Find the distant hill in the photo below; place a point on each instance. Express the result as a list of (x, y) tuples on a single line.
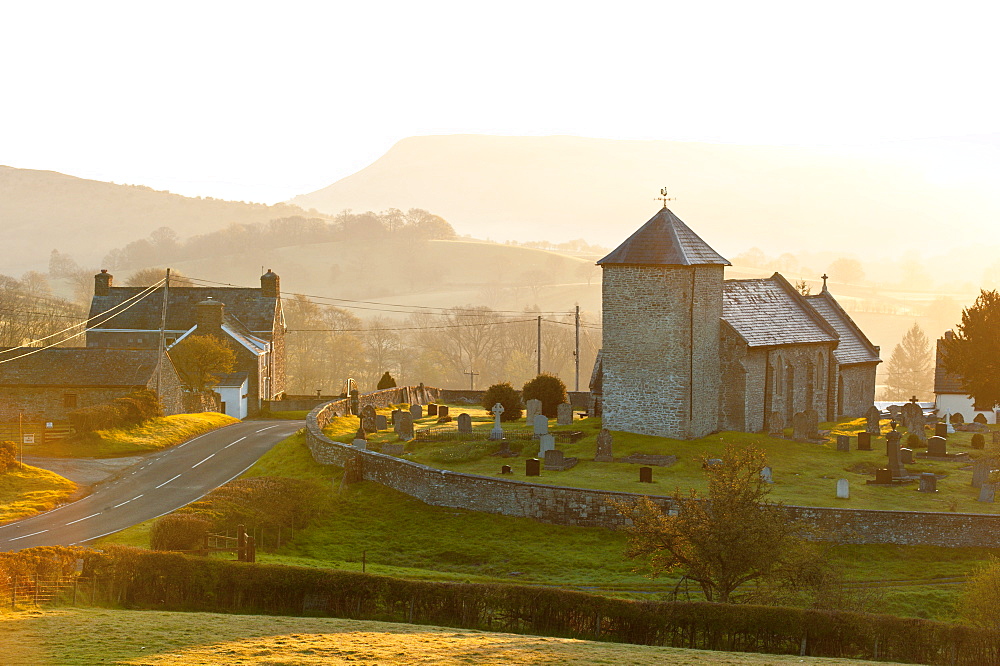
[(44, 210), (559, 188)]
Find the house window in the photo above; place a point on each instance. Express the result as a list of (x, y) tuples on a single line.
[(69, 400)]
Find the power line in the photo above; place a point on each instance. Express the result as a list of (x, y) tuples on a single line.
[(404, 328)]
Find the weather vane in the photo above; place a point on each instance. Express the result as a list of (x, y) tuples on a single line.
[(663, 197)]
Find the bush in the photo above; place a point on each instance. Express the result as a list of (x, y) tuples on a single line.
[(957, 419), (547, 388), (505, 394), (980, 418), (182, 531), (8, 456), (978, 441), (386, 382), (131, 409)]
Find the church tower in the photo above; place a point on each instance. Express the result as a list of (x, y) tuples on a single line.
[(662, 311)]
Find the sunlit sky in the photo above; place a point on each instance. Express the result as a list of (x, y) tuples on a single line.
[(263, 101)]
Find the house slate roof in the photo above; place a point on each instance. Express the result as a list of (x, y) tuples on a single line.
[(854, 347), (769, 311), (664, 241), (77, 367), (944, 381), (245, 304), (231, 380)]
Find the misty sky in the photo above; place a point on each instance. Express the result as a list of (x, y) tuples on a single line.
[(260, 101)]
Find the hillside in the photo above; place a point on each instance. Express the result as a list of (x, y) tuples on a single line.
[(736, 197), (44, 210)]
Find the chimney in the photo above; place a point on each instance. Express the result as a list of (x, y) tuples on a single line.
[(209, 317), (949, 335), (102, 283), (270, 284)]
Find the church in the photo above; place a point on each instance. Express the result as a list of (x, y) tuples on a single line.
[(687, 353)]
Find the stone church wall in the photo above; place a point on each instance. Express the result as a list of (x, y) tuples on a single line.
[(858, 389), (650, 349)]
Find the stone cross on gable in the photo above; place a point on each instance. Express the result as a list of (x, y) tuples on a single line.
[(913, 400), (825, 278)]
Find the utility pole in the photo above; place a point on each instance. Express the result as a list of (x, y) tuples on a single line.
[(576, 354), (20, 438), (160, 347), (539, 344), (472, 379)]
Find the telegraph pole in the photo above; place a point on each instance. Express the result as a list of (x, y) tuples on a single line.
[(539, 344), (472, 379), (163, 325), (576, 354)]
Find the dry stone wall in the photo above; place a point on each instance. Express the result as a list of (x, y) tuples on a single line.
[(592, 508)]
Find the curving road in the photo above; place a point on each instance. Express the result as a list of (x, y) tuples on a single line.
[(158, 484)]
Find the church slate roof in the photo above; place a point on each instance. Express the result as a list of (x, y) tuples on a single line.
[(944, 381), (77, 367), (854, 346), (247, 305), (769, 311), (664, 241)]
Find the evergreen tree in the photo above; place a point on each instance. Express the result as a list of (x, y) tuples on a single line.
[(910, 370), (974, 353)]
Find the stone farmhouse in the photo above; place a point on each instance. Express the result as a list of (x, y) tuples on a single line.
[(249, 319), (687, 352), (949, 398), (47, 384)]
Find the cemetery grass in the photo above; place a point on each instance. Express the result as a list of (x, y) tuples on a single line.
[(403, 537), (804, 473), (91, 636), (30, 490), (153, 435)]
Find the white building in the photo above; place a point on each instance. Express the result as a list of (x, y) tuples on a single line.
[(949, 398)]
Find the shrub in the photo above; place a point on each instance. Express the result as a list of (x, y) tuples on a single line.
[(957, 419), (386, 382), (182, 531), (978, 441), (980, 418), (130, 409), (547, 388), (8, 456), (505, 394)]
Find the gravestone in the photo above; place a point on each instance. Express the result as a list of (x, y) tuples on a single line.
[(776, 424), (844, 443), (978, 441), (506, 470), (464, 423), (443, 411), (981, 472), (980, 419), (645, 475), (883, 476), (557, 462), (805, 425), (767, 475), (532, 467), (540, 424), (906, 456), (361, 444), (928, 483), (864, 441), (843, 489), (432, 409), (405, 431), (532, 409), (497, 432), (368, 418), (872, 417), (381, 423), (604, 447), (892, 451), (564, 414), (913, 420), (949, 420), (941, 429), (416, 412), (937, 447), (996, 439), (394, 417), (397, 418), (393, 449), (546, 443), (986, 492)]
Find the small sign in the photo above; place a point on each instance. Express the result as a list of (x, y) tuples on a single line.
[(49, 424), (29, 439)]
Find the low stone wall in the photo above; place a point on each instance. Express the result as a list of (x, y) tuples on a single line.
[(592, 508)]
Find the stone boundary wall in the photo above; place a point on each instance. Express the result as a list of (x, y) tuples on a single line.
[(591, 508)]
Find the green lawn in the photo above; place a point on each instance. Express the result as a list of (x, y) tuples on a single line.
[(153, 435), (804, 473), (25, 491)]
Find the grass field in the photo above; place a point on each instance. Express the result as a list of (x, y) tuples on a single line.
[(152, 435), (25, 491), (804, 473), (91, 636)]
